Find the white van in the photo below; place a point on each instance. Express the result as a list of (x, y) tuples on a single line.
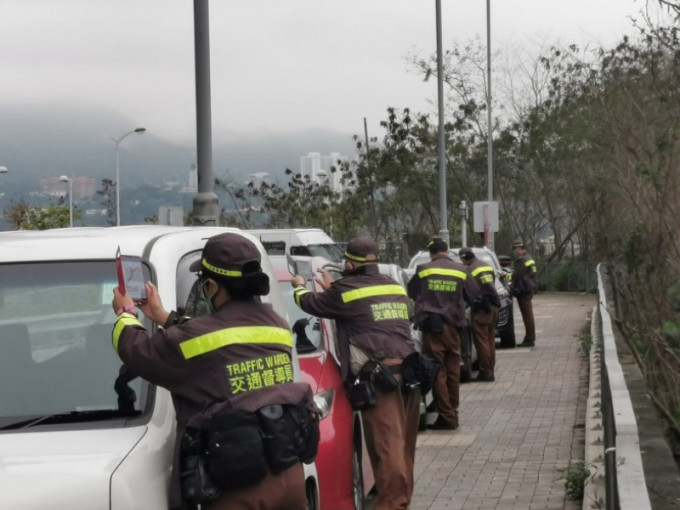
[(309, 242), (65, 440)]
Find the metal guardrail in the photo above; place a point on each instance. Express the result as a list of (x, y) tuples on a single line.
[(624, 477)]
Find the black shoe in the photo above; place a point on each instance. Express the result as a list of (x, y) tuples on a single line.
[(484, 378), (440, 424), (526, 343)]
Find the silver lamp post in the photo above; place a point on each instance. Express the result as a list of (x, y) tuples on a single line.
[(65, 178), (117, 141)]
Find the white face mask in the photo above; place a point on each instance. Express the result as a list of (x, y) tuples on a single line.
[(208, 302)]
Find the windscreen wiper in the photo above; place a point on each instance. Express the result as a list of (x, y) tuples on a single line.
[(72, 417)]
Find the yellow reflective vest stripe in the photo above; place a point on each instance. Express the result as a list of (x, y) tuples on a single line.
[(234, 336), (530, 262), (124, 319), (482, 269), (298, 292), (440, 271), (374, 290)]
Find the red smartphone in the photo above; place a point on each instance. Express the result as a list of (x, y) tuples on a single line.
[(131, 277)]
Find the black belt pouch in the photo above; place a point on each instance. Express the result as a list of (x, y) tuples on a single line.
[(383, 378), (280, 437), (433, 323), (197, 485), (236, 457), (306, 431), (361, 394)]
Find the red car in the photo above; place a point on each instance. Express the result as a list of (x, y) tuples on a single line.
[(344, 470)]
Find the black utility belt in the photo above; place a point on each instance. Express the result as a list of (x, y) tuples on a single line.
[(374, 374), (239, 448)]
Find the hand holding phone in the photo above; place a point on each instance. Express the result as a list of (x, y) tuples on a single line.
[(131, 277)]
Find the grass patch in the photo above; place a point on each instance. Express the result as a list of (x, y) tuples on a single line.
[(574, 476)]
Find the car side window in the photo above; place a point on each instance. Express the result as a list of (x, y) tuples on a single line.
[(187, 288)]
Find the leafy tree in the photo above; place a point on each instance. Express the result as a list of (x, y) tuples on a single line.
[(24, 217), (108, 200)]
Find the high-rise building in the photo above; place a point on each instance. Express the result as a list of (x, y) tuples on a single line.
[(319, 168)]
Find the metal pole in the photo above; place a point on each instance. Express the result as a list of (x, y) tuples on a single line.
[(463, 222), (70, 202), (117, 141), (374, 218), (205, 205), (117, 184), (489, 135), (444, 231)]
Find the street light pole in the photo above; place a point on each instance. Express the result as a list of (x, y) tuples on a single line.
[(489, 156), (117, 141), (444, 232), (65, 178)]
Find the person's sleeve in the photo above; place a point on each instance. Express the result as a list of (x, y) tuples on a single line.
[(155, 358), (471, 289), (413, 287), (324, 304)]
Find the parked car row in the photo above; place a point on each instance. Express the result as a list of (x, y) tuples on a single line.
[(64, 437)]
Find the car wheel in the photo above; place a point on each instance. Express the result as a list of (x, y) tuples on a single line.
[(507, 335), (422, 422), (312, 497), (357, 476), (465, 355)]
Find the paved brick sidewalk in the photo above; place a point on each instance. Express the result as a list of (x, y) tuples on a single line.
[(516, 432)]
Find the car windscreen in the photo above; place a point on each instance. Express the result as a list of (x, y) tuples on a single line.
[(327, 251), (56, 352), (306, 328)]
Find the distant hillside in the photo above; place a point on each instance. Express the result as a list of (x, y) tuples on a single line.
[(40, 141)]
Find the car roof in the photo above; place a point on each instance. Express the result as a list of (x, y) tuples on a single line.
[(92, 243), (481, 252)]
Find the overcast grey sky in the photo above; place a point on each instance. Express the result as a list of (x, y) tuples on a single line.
[(280, 65)]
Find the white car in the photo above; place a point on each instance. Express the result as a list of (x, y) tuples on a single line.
[(65, 439), (306, 242)]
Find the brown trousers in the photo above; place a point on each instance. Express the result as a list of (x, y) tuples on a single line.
[(283, 491), (391, 428), (445, 348), (527, 311), (484, 336)]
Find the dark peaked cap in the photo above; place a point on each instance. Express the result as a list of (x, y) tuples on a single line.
[(437, 245), (466, 253), (226, 254), (359, 248)]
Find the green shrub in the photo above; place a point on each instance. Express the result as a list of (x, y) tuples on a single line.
[(574, 476)]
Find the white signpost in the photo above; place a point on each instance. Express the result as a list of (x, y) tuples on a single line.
[(485, 219)]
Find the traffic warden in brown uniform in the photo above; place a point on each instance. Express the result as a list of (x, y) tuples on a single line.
[(484, 309), (440, 290), (371, 315), (243, 426), (523, 286)]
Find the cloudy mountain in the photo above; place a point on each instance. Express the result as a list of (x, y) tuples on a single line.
[(42, 141)]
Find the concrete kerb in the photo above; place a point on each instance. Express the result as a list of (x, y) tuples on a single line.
[(594, 489), (630, 479)]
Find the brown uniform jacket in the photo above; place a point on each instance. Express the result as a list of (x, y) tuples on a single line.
[(523, 280), (239, 356), (442, 287), (486, 278), (370, 311)]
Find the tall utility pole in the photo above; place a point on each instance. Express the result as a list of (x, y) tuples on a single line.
[(206, 207), (489, 135), (369, 170), (444, 231)]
